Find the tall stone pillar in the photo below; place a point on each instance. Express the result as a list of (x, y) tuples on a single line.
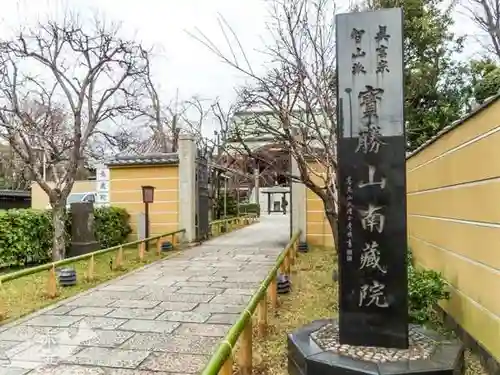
[(299, 207), (187, 186)]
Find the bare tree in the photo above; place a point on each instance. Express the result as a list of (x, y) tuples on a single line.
[(14, 173), (84, 73), (216, 151), (294, 102), (486, 16), (160, 118), (52, 128), (201, 118), (192, 119)]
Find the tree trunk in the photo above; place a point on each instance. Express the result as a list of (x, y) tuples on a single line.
[(333, 221), (332, 216), (59, 238)]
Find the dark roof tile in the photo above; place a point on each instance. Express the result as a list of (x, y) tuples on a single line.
[(146, 159)]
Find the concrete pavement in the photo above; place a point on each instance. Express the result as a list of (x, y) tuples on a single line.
[(165, 319)]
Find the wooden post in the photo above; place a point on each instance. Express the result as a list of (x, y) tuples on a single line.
[(286, 263), (245, 352), (293, 253), (158, 246), (174, 239), (272, 291), (119, 258), (262, 317), (3, 304), (227, 367), (282, 267), (141, 251), (90, 269), (52, 283)]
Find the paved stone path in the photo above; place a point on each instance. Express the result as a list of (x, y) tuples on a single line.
[(165, 319)]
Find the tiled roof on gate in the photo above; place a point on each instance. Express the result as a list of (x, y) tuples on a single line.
[(171, 158)]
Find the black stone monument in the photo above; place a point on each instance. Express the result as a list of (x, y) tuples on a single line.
[(372, 334), (371, 176), (82, 229)]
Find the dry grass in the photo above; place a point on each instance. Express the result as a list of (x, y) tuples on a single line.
[(314, 296), (29, 293)]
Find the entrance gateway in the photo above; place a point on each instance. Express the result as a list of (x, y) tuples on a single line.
[(202, 199)]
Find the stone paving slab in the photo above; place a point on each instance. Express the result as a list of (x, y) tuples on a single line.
[(141, 325), (218, 308), (223, 318), (165, 319), (88, 311), (176, 343), (135, 313), (88, 370), (109, 357), (187, 363), (101, 322)]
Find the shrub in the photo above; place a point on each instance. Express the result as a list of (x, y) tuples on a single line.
[(250, 208), (26, 234), (425, 289), (112, 226), (25, 237), (231, 206)]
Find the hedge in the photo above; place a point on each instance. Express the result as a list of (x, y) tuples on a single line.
[(26, 234), (250, 208), (231, 207)]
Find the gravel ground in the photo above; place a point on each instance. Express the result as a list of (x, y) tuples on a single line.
[(313, 297), (473, 365)]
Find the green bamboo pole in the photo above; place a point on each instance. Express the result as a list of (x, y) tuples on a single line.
[(225, 348), (62, 262)]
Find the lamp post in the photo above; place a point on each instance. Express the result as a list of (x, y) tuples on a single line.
[(148, 193)]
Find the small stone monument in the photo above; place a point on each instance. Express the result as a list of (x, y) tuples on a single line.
[(372, 334), (83, 239)]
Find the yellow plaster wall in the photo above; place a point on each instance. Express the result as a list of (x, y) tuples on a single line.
[(40, 199), (318, 231), (126, 192), (454, 220)]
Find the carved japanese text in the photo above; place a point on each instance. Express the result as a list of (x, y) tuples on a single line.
[(357, 66), (373, 294), (382, 37), (371, 179), (372, 219), (370, 257)]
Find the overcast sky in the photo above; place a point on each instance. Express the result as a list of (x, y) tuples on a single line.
[(181, 63)]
